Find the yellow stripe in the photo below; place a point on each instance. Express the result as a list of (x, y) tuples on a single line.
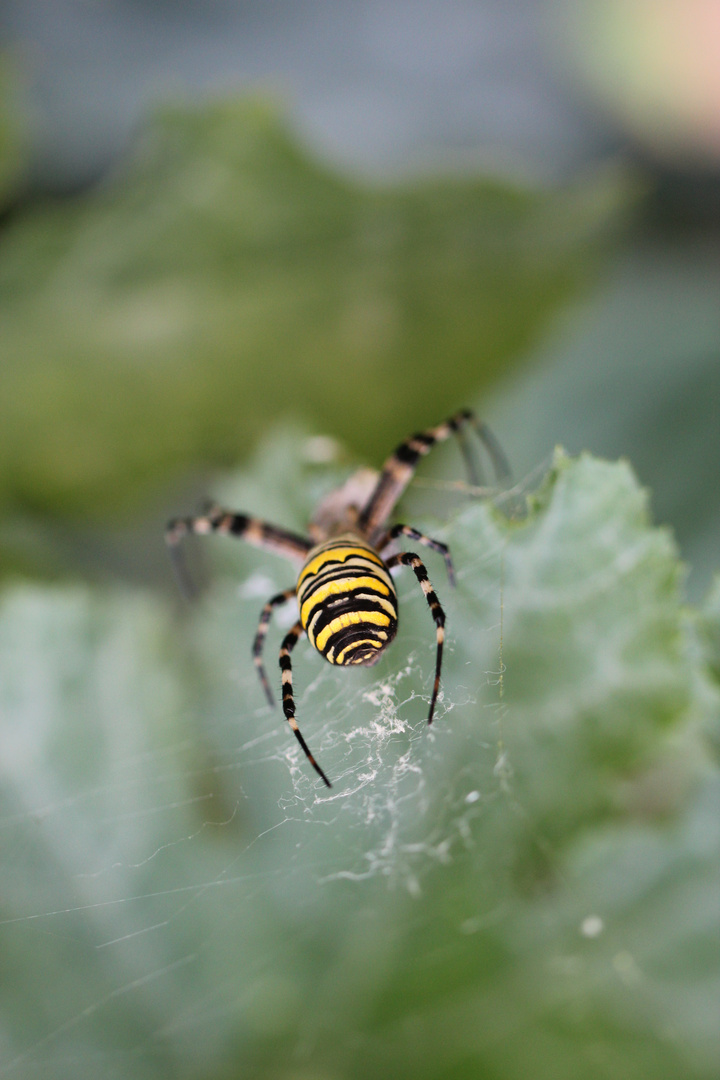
[(350, 617), (340, 585), (387, 604), (337, 554), (354, 645)]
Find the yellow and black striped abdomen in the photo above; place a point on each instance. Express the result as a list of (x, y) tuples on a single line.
[(347, 601)]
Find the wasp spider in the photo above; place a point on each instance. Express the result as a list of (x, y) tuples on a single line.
[(347, 601)]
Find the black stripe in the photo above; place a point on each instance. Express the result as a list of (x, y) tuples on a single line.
[(338, 572), (239, 524), (343, 638), (406, 455), (366, 651), (282, 536), (324, 615)]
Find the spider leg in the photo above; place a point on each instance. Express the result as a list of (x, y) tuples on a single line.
[(217, 520), (409, 558), (287, 647), (413, 534), (399, 469), (501, 465), (260, 636)]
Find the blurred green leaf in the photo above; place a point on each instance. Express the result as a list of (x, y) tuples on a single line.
[(530, 887), (158, 323), (636, 373), (12, 149)]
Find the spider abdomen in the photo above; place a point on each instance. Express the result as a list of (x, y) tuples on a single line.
[(347, 600)]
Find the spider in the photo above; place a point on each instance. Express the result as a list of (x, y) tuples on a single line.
[(347, 601)]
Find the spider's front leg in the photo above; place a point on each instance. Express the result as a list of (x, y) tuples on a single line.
[(228, 523), (399, 469), (287, 647), (409, 558)]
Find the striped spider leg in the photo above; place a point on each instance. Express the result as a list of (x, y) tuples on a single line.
[(262, 535), (399, 469), (413, 534), (395, 476), (409, 558), (289, 642), (226, 522), (259, 642), (412, 560)]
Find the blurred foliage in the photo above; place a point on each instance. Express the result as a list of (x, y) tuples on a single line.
[(530, 888), (636, 376), (12, 149), (159, 322)]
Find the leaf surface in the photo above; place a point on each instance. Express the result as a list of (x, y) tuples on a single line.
[(530, 886)]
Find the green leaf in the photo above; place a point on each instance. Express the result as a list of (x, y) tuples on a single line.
[(528, 887), (225, 279)]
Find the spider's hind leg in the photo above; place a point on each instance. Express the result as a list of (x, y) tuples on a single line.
[(287, 647), (409, 558), (259, 642), (426, 541)]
